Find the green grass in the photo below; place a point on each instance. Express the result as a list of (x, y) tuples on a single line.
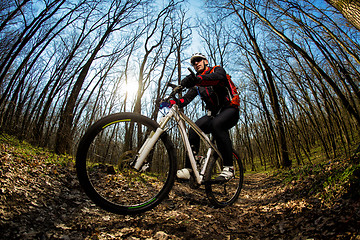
[(320, 177), (327, 181), (28, 152)]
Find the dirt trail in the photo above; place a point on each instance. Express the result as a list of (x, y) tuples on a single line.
[(44, 201)]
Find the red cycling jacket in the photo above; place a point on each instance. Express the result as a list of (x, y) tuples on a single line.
[(212, 88)]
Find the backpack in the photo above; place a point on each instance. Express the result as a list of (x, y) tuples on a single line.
[(232, 91)]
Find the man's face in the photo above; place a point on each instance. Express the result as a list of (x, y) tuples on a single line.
[(200, 64)]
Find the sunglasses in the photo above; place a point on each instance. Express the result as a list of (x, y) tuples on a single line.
[(195, 60)]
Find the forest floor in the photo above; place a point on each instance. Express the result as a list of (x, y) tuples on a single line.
[(43, 200)]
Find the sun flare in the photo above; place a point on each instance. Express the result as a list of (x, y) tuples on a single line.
[(131, 88)]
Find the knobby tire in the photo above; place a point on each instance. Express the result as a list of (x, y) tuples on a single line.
[(222, 194), (104, 164)]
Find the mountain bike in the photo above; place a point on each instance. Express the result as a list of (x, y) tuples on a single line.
[(126, 162)]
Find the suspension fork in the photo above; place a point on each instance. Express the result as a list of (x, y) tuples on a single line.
[(151, 140)]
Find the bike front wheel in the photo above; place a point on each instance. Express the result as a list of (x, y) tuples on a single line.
[(105, 159), (222, 194)]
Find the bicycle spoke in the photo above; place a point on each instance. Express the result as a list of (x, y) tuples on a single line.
[(105, 166), (223, 193)]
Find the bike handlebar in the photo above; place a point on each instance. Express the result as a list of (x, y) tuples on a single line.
[(176, 88)]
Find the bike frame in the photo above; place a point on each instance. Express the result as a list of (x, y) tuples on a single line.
[(180, 118)]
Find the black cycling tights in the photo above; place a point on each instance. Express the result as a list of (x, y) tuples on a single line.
[(219, 127)]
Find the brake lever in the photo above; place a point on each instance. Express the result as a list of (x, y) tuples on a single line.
[(192, 73), (178, 89)]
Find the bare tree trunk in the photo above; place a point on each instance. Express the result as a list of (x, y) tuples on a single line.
[(25, 37), (350, 9), (310, 60), (161, 20), (12, 14), (270, 83), (63, 136)]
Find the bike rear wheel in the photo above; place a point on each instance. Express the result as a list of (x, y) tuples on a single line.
[(222, 194), (104, 164)]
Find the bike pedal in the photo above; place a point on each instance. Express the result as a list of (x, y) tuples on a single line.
[(180, 180), (194, 185)]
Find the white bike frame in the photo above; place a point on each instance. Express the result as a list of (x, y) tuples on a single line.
[(180, 118)]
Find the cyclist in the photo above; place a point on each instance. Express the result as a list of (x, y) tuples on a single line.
[(212, 85)]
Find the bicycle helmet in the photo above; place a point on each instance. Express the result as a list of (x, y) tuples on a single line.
[(195, 56)]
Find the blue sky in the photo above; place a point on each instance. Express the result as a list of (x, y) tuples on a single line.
[(195, 10)]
